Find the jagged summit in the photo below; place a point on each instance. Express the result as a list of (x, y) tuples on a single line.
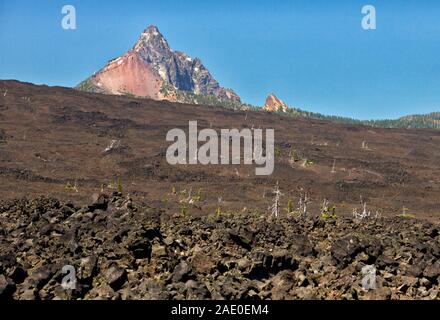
[(151, 38), (152, 29), (274, 104), (151, 68)]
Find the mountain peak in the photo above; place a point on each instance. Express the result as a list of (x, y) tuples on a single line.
[(152, 39), (152, 29), (152, 69), (273, 103)]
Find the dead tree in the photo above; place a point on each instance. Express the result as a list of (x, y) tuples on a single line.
[(365, 213), (302, 205), (333, 167), (305, 203), (275, 208)]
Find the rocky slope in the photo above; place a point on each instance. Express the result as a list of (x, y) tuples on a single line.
[(152, 69), (126, 250)]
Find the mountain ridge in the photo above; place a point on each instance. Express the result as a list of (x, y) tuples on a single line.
[(413, 121), (152, 69)]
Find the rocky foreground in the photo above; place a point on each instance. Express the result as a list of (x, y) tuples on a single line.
[(123, 251)]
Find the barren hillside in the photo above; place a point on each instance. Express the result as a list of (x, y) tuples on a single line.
[(53, 141)]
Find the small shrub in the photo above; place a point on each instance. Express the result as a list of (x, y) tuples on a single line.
[(71, 187), (328, 211), (119, 185), (290, 208), (184, 211), (406, 215), (165, 203), (198, 196), (278, 152)]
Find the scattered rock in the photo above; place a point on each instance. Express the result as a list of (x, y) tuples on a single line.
[(122, 250)]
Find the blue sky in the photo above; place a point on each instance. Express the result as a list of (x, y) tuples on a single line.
[(312, 54)]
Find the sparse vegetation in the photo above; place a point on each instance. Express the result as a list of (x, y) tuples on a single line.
[(183, 210), (406, 215), (292, 157), (363, 213), (71, 187), (119, 185), (278, 152), (328, 211), (197, 196), (87, 85), (218, 211), (290, 209), (305, 162)]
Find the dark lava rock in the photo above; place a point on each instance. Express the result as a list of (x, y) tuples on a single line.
[(115, 276), (281, 284), (7, 260), (153, 290), (88, 268), (7, 287), (139, 252), (196, 291), (242, 236), (432, 271), (140, 248), (18, 274), (101, 203), (301, 245), (43, 274), (182, 272), (345, 249)]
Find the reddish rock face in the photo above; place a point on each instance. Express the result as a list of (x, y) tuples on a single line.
[(152, 69), (129, 74), (274, 104)]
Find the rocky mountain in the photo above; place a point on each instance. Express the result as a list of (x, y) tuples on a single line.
[(274, 104), (152, 69)]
